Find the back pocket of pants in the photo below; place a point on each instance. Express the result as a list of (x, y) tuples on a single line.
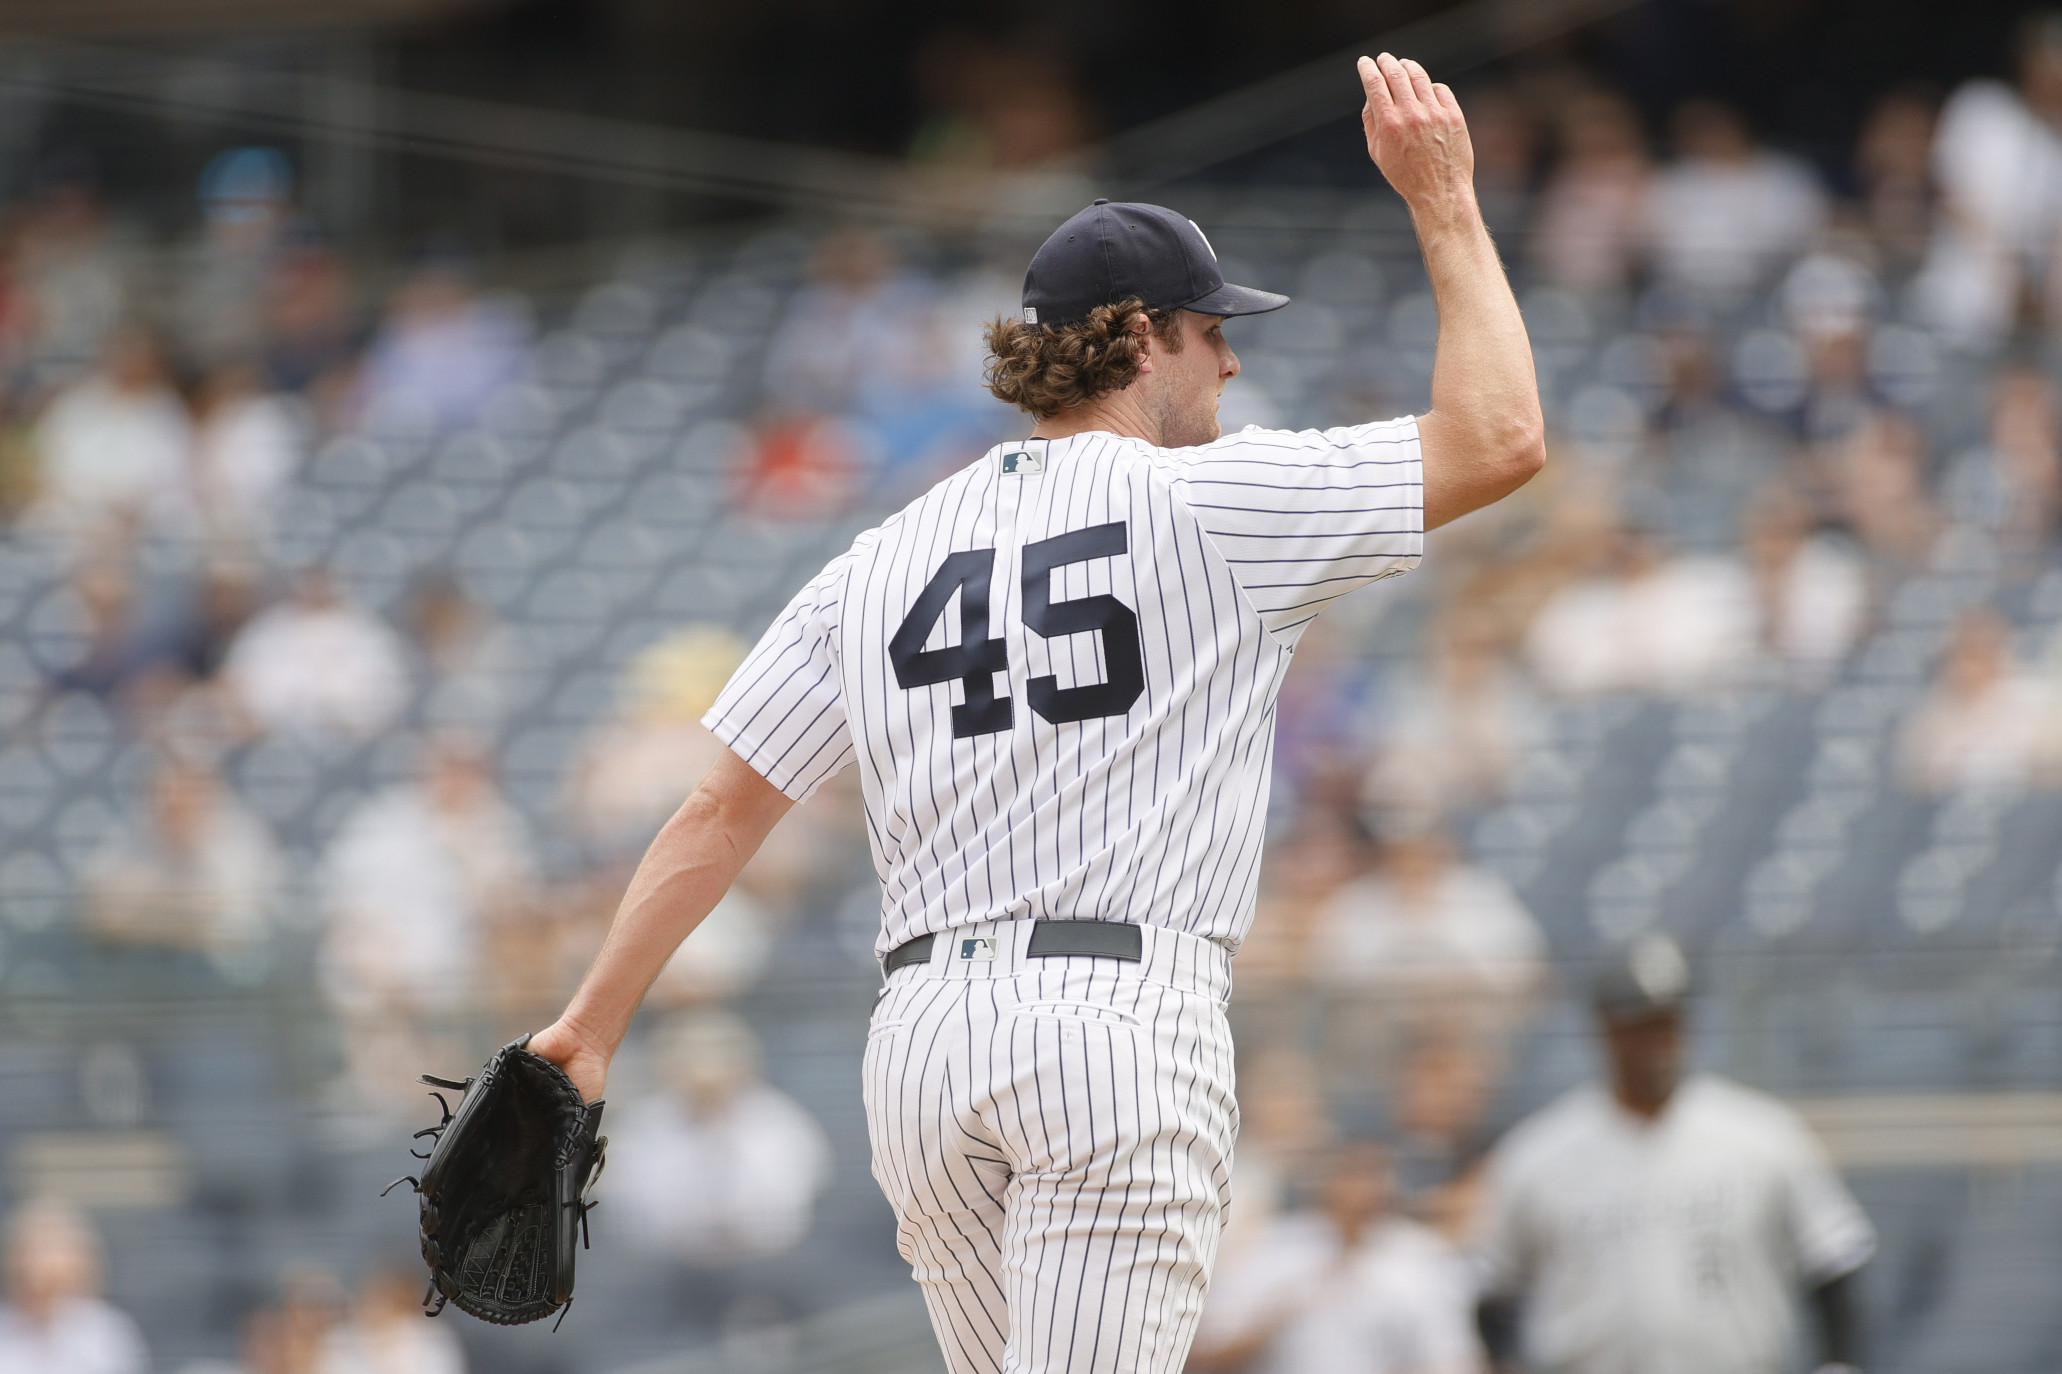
[(1080, 1012)]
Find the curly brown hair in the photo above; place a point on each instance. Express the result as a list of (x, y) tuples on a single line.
[(1046, 369)]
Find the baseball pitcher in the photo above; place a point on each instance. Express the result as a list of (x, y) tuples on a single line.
[(1056, 674)]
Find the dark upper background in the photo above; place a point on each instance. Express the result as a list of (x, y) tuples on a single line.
[(940, 81), (862, 73)]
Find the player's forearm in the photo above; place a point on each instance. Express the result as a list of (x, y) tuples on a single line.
[(1484, 430), (684, 874)]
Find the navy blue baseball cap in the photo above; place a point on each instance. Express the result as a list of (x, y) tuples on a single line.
[(1110, 252)]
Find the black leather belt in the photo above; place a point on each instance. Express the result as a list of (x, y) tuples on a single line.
[(1049, 939)]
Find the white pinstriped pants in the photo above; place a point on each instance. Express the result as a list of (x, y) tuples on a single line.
[(1055, 1136)]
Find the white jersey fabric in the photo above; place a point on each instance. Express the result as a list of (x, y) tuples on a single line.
[(1056, 672), (1057, 669), (1676, 1246), (1399, 1302)]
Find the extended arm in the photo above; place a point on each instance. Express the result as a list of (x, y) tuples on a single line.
[(690, 865), (1484, 437)]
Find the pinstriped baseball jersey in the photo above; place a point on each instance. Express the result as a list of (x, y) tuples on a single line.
[(1057, 669)]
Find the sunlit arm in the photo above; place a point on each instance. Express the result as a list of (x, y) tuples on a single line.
[(690, 865), (1484, 436)]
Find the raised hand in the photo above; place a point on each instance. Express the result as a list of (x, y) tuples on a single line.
[(1417, 135)]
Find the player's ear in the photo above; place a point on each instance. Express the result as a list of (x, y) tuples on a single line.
[(1141, 325)]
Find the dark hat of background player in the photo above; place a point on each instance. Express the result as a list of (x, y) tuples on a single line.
[(1114, 251), (1648, 977)]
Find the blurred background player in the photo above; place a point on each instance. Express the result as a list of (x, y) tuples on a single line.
[(1662, 1220)]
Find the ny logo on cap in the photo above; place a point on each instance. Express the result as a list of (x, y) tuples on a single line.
[(978, 950)]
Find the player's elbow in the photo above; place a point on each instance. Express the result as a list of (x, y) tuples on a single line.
[(1503, 448), (1522, 446), (1528, 458)]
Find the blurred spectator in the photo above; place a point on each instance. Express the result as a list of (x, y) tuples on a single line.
[(800, 467), (222, 600), (1427, 936), (245, 203), (1829, 298), (2011, 488), (196, 871), (1894, 164), (1987, 723), (118, 644), (415, 885), (468, 658), (718, 1166), (1718, 452), (247, 447), (1664, 1221), (1589, 226), (1346, 1288), (1319, 763), (1997, 155), (1875, 481), (1437, 1090), (312, 328), (1323, 853), (1811, 585), (69, 279), (316, 664), (636, 768), (922, 411), (1648, 622), (115, 446), (1505, 137), (441, 352), (1726, 211), (292, 1335), (54, 1320), (995, 105), (1453, 735), (386, 1333), (843, 324), (1283, 1127)]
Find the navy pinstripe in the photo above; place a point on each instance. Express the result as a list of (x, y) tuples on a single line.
[(1055, 1133)]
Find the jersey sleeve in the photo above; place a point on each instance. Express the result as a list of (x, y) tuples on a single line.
[(1303, 517), (783, 711), (1829, 1232)]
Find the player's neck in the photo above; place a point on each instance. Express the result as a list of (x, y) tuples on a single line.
[(1120, 413), (1646, 1106)]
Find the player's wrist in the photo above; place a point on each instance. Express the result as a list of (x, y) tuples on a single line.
[(1447, 210), (568, 1038)]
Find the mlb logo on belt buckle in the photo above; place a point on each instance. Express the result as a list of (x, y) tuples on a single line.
[(1022, 462), (979, 950)]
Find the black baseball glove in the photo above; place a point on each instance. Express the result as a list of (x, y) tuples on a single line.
[(504, 1198)]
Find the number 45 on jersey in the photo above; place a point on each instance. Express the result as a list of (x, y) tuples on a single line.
[(977, 658)]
